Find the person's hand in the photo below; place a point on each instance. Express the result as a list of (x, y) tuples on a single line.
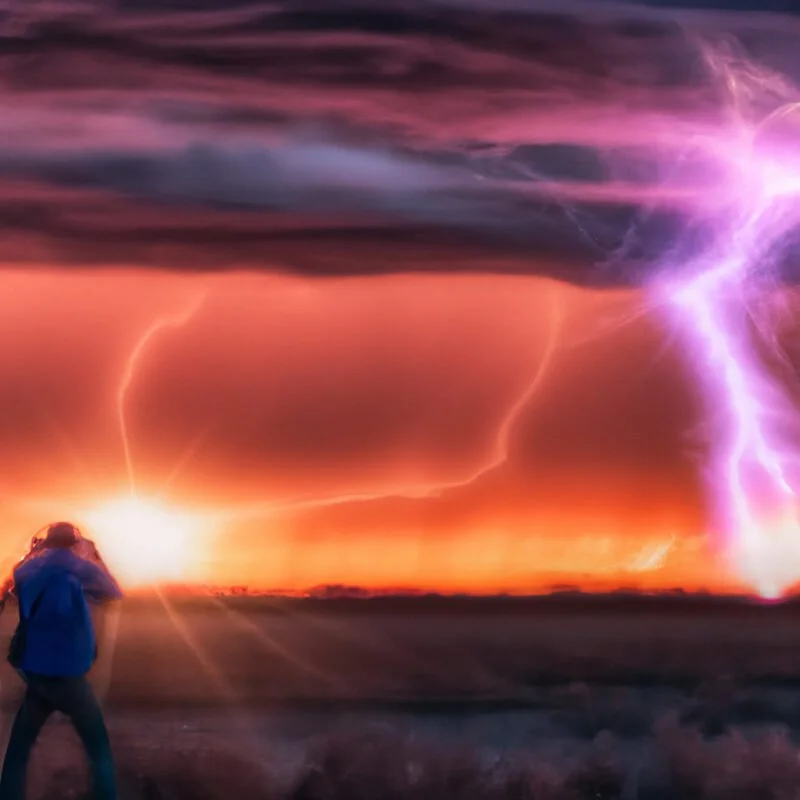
[(96, 553), (85, 548)]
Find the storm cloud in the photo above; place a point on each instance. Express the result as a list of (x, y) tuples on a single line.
[(347, 138)]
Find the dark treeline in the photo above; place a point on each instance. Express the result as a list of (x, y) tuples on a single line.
[(355, 601)]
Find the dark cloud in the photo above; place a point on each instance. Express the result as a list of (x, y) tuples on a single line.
[(345, 137)]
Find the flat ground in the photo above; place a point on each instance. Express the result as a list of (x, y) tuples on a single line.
[(277, 691), (258, 652)]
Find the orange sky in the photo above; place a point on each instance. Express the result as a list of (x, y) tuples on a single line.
[(431, 400), (344, 431)]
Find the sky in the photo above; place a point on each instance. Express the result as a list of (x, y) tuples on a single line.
[(360, 290)]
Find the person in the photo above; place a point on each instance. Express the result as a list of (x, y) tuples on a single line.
[(54, 649)]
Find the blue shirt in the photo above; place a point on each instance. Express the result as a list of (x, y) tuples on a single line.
[(60, 637)]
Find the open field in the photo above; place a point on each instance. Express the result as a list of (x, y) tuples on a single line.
[(207, 651), (161, 760), (432, 699)]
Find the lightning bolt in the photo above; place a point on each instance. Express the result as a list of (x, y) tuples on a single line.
[(133, 362), (496, 458), (723, 303)]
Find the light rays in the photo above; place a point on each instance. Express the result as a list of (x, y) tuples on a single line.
[(271, 645)]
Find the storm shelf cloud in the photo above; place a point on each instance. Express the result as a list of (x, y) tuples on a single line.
[(339, 137)]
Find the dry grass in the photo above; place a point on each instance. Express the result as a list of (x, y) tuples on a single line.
[(383, 765), (556, 662), (171, 767)]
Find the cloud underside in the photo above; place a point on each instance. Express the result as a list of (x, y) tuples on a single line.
[(341, 138)]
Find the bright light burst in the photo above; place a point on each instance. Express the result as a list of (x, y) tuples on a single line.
[(725, 303), (145, 542)]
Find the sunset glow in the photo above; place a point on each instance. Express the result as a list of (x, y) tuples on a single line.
[(145, 543), (402, 311), (254, 463)]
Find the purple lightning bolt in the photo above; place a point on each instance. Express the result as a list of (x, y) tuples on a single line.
[(725, 307)]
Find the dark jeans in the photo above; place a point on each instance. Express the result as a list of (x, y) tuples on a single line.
[(74, 698)]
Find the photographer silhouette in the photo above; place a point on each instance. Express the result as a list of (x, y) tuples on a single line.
[(54, 647)]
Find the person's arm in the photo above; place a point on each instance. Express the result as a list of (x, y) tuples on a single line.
[(98, 583)]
